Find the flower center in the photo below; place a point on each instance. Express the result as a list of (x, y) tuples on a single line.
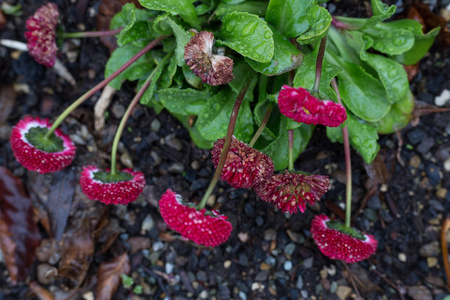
[(36, 137), (107, 177), (345, 230)]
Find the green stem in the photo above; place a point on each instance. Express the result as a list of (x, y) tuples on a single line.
[(348, 165), (263, 125), (130, 108), (85, 34), (319, 63), (102, 84), (227, 143), (291, 150)]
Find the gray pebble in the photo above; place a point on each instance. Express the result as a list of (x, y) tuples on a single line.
[(370, 214), (242, 295), (173, 142), (425, 145), (374, 202), (433, 174), (118, 110), (308, 263), (155, 125), (270, 260), (169, 268), (299, 283), (158, 246), (289, 249), (288, 265), (304, 294), (262, 276), (176, 168), (270, 234), (333, 287)]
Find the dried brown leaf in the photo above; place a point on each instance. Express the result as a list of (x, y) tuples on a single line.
[(78, 248), (377, 170), (109, 276), (362, 279), (7, 98), (107, 235), (8, 246), (16, 213), (433, 20), (138, 243), (411, 70)]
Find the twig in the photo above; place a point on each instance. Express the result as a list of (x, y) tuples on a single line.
[(400, 291), (350, 274), (445, 228)]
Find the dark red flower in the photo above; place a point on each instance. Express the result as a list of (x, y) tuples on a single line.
[(245, 166), (291, 190), (27, 144), (337, 241), (122, 188), (42, 34), (203, 227), (299, 105), (213, 69)]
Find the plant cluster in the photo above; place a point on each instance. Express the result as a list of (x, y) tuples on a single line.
[(249, 79)]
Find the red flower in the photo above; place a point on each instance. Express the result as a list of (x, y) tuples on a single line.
[(213, 69), (245, 166), (291, 190), (203, 227), (299, 105), (337, 241), (122, 188), (30, 154), (42, 34)]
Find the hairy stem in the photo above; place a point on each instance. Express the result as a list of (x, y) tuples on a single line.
[(85, 34), (102, 84), (291, 149), (348, 165), (227, 143), (319, 63)]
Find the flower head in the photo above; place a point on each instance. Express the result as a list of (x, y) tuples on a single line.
[(245, 166), (299, 105), (337, 241), (121, 188), (290, 191), (203, 227), (42, 34), (39, 153), (213, 69)]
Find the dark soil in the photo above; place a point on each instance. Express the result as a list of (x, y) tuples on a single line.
[(269, 255)]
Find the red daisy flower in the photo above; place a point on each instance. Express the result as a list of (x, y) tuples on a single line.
[(204, 227), (291, 190), (337, 241), (213, 69), (245, 166), (35, 152), (42, 34), (299, 105), (122, 188)]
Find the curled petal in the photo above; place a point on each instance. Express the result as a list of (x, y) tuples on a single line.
[(112, 191), (245, 166), (290, 191), (202, 227), (350, 246), (35, 159), (299, 105)]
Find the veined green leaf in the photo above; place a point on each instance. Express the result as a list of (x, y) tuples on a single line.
[(380, 11), (319, 20), (184, 102), (253, 7), (184, 8)]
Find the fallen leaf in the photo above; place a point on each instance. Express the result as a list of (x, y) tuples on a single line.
[(414, 14), (138, 243), (433, 20), (40, 292), (107, 234), (377, 170), (18, 229), (7, 98), (59, 201), (109, 276), (411, 70), (362, 279), (78, 248)]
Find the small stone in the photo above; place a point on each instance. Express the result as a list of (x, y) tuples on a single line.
[(296, 237), (227, 264), (195, 165), (425, 145), (211, 200), (262, 276), (155, 125), (415, 161), (331, 270), (289, 249), (287, 265), (157, 246), (257, 286), (270, 234), (204, 294), (270, 260), (242, 295), (402, 257), (46, 273), (264, 267), (169, 267), (126, 160), (299, 283), (442, 153), (433, 174), (147, 223), (430, 249), (176, 168), (419, 292), (304, 294), (243, 236), (173, 142), (441, 193), (437, 281), (374, 202), (333, 287), (443, 98), (323, 273), (156, 158), (432, 261), (416, 135), (447, 165), (370, 214), (88, 296), (308, 262), (343, 292), (118, 110)]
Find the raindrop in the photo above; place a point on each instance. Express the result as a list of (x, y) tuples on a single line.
[(249, 29), (267, 34), (399, 41)]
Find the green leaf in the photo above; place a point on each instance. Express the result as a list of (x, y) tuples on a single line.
[(242, 72), (289, 16), (248, 35), (422, 42), (122, 55), (388, 38), (191, 78), (398, 117), (286, 57), (364, 95), (380, 12), (167, 76), (184, 8), (319, 20), (362, 137), (213, 120), (185, 102), (253, 7)]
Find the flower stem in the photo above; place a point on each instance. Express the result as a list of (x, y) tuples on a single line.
[(319, 63), (227, 143), (85, 34), (263, 125), (102, 84), (291, 149), (348, 164), (130, 108)]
